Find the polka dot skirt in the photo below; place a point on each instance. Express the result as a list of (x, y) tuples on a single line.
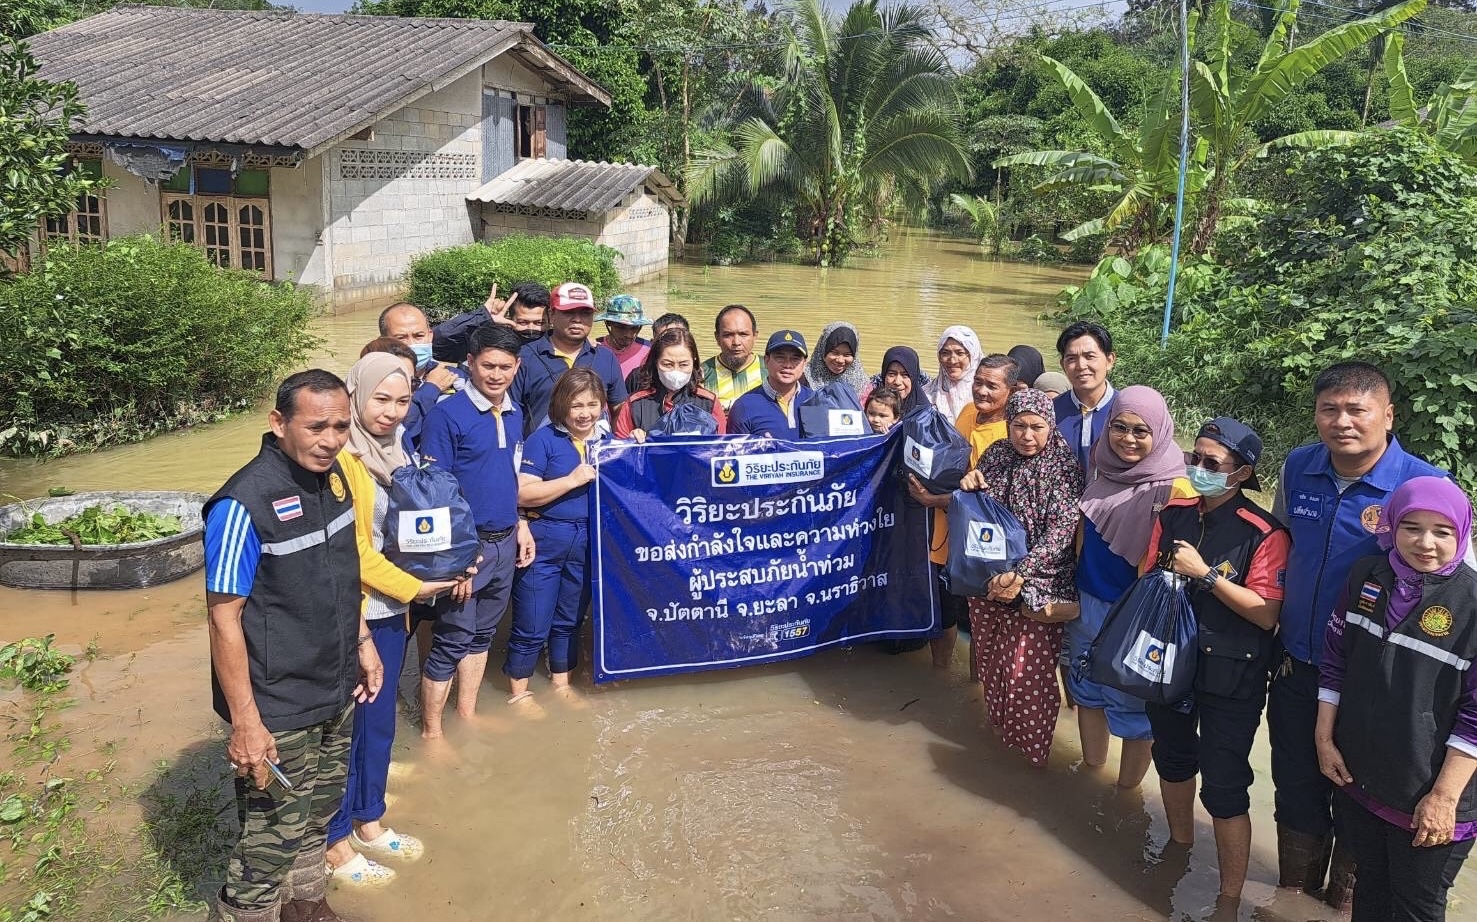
[(1016, 658)]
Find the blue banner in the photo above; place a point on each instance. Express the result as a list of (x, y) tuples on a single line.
[(712, 553)]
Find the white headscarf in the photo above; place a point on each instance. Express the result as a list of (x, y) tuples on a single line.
[(950, 398)]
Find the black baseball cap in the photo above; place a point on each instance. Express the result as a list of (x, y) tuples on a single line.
[(1240, 438)]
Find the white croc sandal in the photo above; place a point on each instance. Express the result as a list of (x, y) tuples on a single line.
[(359, 871), (390, 844)]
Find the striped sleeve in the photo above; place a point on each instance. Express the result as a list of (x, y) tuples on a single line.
[(232, 549)]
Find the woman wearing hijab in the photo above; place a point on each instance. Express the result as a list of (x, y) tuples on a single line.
[(901, 372), (1017, 628), (837, 357), (959, 355), (379, 396), (1032, 366), (1397, 706), (1137, 469)]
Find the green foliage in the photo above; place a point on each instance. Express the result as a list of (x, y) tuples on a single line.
[(1449, 117), (982, 215), (33, 665), (1373, 258), (108, 344), (57, 860), (36, 118), (1035, 250), (97, 525), (862, 111), (449, 281)]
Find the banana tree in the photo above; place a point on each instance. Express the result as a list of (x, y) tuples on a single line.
[(1226, 101), (1449, 117), (1141, 167)]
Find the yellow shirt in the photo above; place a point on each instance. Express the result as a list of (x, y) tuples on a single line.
[(980, 436), (568, 357), (731, 385)]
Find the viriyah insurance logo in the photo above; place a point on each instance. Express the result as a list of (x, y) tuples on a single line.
[(774, 467)]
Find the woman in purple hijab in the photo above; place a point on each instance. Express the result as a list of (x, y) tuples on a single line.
[(1397, 706)]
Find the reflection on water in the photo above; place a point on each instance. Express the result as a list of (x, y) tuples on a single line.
[(850, 786)]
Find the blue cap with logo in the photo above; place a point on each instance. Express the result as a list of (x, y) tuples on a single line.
[(783, 338), (1240, 438)]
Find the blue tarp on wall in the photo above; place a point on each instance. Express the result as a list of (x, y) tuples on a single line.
[(715, 553)]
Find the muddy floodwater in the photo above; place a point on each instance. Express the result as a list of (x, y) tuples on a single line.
[(849, 786)]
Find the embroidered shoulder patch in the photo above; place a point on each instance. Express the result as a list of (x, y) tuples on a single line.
[(1370, 519), (288, 508), (1436, 621), (1368, 596)]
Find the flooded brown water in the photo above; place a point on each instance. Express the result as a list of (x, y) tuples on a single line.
[(849, 786)]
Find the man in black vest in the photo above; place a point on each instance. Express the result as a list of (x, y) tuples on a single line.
[(288, 649)]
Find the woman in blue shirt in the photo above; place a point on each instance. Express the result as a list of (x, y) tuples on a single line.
[(550, 596)]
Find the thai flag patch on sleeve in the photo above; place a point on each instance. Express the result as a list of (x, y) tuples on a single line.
[(288, 508), (1369, 595)]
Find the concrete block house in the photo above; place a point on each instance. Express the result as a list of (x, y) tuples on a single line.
[(329, 150)]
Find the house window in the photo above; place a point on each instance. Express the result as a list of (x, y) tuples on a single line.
[(88, 223), (228, 216), (532, 131)]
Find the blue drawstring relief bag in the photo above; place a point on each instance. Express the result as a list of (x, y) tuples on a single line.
[(832, 411), (429, 529), (1147, 646), (933, 451), (985, 540), (685, 419)]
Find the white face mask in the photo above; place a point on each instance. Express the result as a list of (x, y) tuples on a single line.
[(674, 380)]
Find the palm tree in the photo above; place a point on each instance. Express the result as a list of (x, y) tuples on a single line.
[(863, 107)]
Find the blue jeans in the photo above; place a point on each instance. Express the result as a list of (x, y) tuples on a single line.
[(1126, 717), (466, 630), (374, 735), (548, 599)]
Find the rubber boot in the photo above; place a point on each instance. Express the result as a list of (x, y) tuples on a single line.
[(1340, 890), (225, 912), (310, 911), (1302, 859)]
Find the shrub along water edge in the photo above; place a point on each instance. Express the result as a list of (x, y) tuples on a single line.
[(456, 279), (108, 344), (1374, 259)]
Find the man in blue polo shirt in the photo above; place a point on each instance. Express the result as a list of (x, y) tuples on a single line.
[(1086, 352), (477, 435), (1329, 496), (571, 316), (773, 407)]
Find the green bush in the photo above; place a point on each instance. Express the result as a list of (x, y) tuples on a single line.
[(102, 345), (1034, 249), (1375, 259), (447, 282)]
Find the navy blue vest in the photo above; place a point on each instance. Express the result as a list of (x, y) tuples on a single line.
[(1402, 687)]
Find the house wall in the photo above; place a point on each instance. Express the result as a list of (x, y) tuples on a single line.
[(297, 224), (402, 192), (133, 205), (496, 224), (640, 229)]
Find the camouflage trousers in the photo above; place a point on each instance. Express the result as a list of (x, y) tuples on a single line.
[(284, 833)]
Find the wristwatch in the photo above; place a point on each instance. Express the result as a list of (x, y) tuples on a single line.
[(1208, 581)]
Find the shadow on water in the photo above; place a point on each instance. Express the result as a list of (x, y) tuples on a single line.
[(190, 817)]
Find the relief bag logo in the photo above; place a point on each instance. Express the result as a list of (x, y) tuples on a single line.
[(772, 467)]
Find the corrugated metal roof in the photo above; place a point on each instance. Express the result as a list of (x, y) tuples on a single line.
[(573, 185), (283, 79)]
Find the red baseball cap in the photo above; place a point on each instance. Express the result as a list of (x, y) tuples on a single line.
[(572, 296)]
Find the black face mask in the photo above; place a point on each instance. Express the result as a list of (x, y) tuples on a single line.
[(529, 336)]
